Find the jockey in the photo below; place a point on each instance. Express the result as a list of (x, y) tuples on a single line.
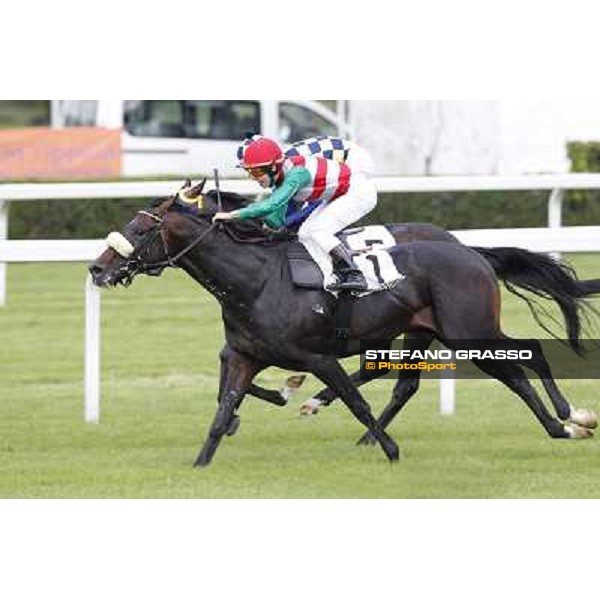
[(327, 179)]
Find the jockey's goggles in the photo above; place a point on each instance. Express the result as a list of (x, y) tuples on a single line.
[(258, 172)]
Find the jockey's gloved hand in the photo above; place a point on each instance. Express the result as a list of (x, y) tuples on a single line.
[(282, 233), (225, 216)]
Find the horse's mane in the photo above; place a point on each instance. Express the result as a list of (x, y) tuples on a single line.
[(248, 232), (229, 200)]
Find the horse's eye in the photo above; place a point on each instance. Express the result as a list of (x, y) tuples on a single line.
[(134, 230)]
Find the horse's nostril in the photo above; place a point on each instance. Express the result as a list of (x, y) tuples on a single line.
[(95, 270)]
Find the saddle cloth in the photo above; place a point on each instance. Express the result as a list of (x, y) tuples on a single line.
[(367, 244)]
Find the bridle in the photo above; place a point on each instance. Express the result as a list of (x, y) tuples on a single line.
[(135, 263)]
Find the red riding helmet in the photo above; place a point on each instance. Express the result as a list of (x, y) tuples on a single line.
[(261, 152)]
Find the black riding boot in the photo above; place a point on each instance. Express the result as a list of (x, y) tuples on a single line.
[(349, 277)]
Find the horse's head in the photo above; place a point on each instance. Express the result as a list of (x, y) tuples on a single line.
[(146, 245)]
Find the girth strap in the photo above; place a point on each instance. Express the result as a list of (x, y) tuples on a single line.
[(343, 316)]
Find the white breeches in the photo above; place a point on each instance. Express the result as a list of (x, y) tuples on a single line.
[(317, 233), (360, 161)]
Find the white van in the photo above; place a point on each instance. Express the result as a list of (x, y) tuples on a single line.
[(180, 137)]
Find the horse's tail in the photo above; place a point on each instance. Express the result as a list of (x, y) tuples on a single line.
[(545, 277), (589, 287)]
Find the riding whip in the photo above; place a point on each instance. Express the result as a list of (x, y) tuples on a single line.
[(216, 173)]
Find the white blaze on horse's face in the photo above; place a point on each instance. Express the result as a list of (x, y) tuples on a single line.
[(120, 244)]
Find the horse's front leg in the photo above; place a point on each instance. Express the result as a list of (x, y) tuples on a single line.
[(278, 397), (326, 396), (331, 373), (237, 372)]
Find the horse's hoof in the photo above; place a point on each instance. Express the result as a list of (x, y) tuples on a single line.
[(233, 426), (367, 440), (394, 455), (310, 407), (291, 386), (295, 381), (585, 418), (201, 462), (576, 432)]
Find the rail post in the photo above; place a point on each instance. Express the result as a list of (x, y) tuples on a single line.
[(3, 236), (92, 353), (447, 396), (555, 213)]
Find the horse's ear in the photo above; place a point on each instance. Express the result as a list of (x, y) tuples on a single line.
[(196, 190), (186, 184)]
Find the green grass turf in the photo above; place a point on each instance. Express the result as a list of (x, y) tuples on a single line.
[(160, 343)]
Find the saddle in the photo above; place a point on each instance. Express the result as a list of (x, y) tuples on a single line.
[(305, 271), (367, 244)]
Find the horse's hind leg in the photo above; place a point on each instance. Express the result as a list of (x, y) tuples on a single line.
[(478, 318), (406, 385), (513, 376), (564, 410)]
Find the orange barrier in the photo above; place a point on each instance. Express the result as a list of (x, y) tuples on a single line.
[(74, 153)]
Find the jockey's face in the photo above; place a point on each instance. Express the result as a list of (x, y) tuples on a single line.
[(264, 180)]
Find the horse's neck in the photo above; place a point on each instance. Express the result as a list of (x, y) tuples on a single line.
[(230, 271)]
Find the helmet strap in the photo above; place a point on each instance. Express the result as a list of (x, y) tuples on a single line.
[(274, 175)]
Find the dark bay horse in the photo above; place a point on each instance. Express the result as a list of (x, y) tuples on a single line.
[(519, 269), (450, 293)]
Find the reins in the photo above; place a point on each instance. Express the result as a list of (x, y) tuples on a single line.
[(136, 263), (170, 260), (262, 240)]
